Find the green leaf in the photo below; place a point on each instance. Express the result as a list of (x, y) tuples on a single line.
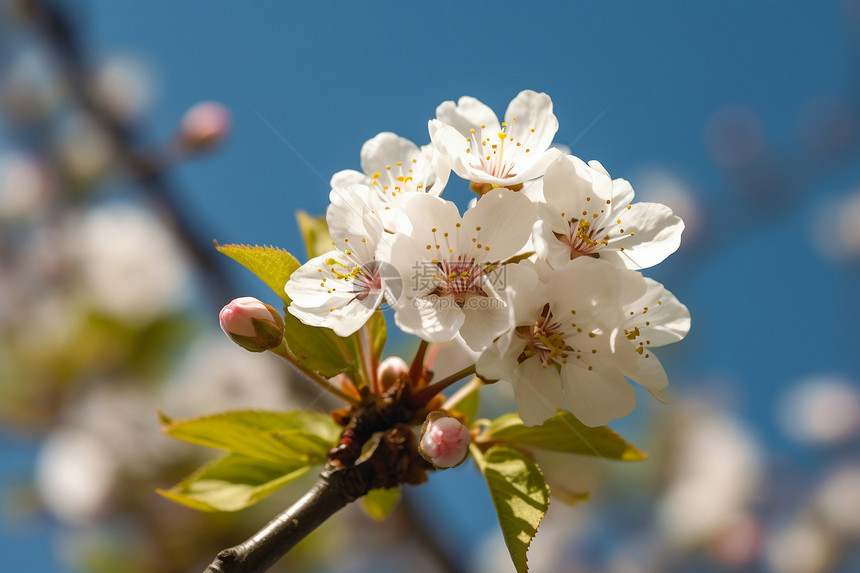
[(294, 437), (520, 495), (378, 503), (377, 334), (272, 265), (563, 433), (315, 233), (317, 348), (572, 498), (233, 482)]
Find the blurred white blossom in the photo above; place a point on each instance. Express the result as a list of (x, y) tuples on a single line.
[(218, 375), (715, 474), (821, 410), (836, 233), (130, 264), (660, 185), (801, 547), (83, 148), (25, 187), (75, 475), (124, 84), (838, 500)]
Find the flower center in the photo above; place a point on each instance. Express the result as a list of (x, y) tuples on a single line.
[(459, 280), (544, 339), (497, 153), (362, 279), (399, 178), (583, 238)]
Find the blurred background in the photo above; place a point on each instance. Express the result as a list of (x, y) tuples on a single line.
[(118, 169)]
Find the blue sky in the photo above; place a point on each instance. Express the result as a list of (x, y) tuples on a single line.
[(634, 85)]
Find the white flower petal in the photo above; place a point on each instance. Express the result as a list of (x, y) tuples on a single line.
[(525, 294), (385, 150), (596, 290), (487, 320), (430, 318), (467, 113), (597, 397), (570, 186), (532, 166), (666, 319), (652, 233), (353, 215), (324, 293), (498, 360), (347, 178), (452, 147), (622, 191), (651, 375), (349, 318), (501, 220), (533, 113), (483, 151), (538, 391)]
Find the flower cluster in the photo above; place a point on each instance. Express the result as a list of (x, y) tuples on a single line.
[(540, 276)]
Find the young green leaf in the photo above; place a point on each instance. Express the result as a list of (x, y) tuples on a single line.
[(294, 437), (272, 265), (378, 503), (520, 495), (563, 433), (317, 348), (233, 482), (314, 231), (377, 334)]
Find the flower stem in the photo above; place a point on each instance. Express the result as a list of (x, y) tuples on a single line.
[(458, 396), (313, 376), (423, 396), (365, 368), (416, 371)]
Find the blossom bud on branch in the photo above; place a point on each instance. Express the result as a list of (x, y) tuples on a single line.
[(444, 440), (391, 370), (252, 324), (204, 125)]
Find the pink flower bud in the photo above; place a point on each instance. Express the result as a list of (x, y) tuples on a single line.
[(444, 440), (252, 324), (204, 125), (391, 370)]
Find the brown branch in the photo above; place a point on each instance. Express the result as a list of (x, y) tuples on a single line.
[(394, 461), (327, 496)]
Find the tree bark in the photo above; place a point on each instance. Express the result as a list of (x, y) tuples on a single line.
[(273, 541)]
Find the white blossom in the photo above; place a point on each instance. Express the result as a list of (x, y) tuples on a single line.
[(505, 154), (342, 288), (131, 267), (587, 213), (576, 333), (393, 165), (452, 262)]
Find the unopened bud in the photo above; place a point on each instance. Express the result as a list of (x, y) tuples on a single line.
[(391, 370), (444, 440), (252, 324), (204, 125)]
